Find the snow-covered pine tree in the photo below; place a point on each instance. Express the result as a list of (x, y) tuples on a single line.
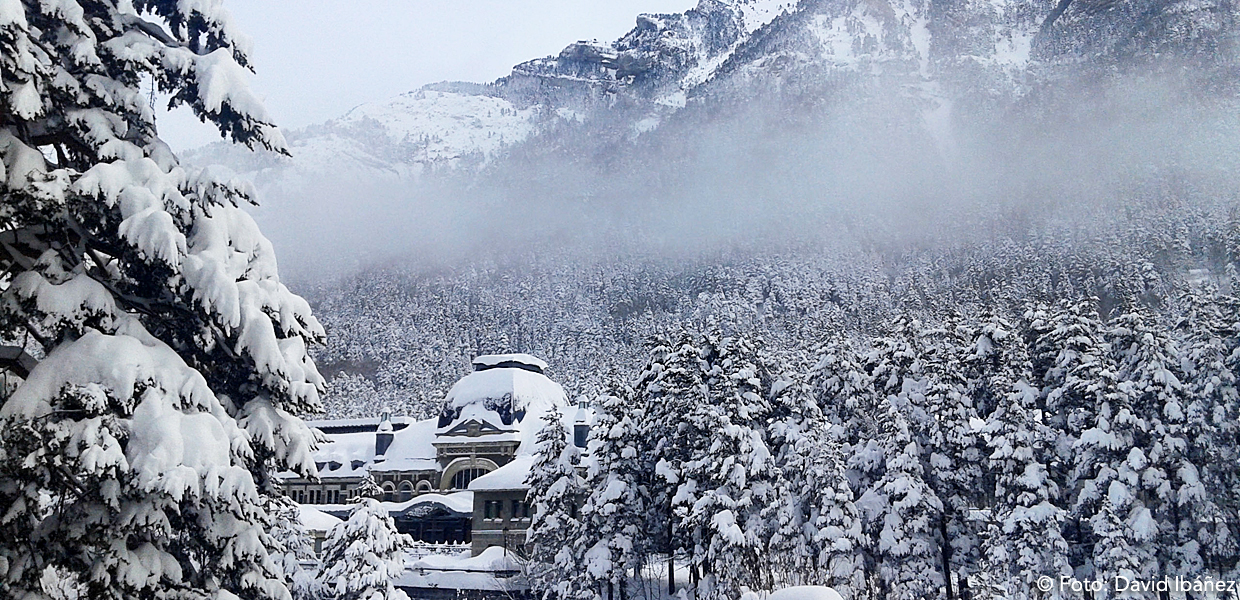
[(671, 386), (1110, 459), (846, 393), (1024, 539), (918, 366), (368, 488), (363, 555), (818, 538), (1212, 424), (1151, 368), (1071, 370), (292, 545), (556, 491), (954, 449), (160, 359), (902, 515), (729, 475), (614, 537)]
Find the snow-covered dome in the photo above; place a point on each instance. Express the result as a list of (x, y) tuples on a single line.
[(519, 386), (501, 399)]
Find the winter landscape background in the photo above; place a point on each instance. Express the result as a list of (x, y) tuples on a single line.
[(966, 269), (908, 298), (795, 170)]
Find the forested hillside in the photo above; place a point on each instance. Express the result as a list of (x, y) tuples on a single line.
[(400, 335)]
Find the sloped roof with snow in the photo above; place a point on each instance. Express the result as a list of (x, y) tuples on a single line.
[(508, 477), (353, 454), (458, 502), (316, 520)]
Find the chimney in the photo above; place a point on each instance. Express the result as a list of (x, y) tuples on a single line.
[(383, 436), (581, 424)]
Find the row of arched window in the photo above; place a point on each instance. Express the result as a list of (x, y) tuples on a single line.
[(395, 493)]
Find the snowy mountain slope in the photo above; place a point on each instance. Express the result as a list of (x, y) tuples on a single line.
[(965, 49), (395, 139)]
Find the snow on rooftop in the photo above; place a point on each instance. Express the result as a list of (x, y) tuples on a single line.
[(353, 454), (314, 519), (494, 558), (524, 387), (458, 502), (411, 448), (508, 477), (362, 422), (494, 360), (462, 572)]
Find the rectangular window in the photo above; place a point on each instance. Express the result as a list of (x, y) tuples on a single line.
[(520, 510), (491, 509)]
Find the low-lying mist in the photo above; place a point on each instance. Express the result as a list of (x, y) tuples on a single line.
[(858, 166)]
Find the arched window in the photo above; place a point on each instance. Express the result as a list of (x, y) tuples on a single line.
[(406, 490), (423, 486), (462, 478), (460, 472), (388, 491)]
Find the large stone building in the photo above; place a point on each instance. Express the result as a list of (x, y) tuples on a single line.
[(485, 435)]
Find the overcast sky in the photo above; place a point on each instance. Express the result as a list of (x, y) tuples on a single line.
[(316, 59)]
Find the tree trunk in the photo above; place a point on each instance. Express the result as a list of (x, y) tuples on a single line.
[(1055, 13), (946, 553), (671, 573), (671, 554)]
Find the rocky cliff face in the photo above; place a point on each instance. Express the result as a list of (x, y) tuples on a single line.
[(936, 63)]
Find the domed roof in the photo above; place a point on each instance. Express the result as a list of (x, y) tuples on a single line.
[(520, 386), (504, 400)]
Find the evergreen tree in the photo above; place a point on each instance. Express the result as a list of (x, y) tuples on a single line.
[(154, 361), (1110, 459), (1151, 368), (818, 540), (1024, 540), (368, 488), (363, 556), (670, 388), (292, 545), (555, 490), (729, 475), (614, 537), (1074, 376), (903, 518), (1212, 326), (846, 392)]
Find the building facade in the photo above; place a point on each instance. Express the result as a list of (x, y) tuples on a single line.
[(427, 469)]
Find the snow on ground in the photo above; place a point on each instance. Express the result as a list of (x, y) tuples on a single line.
[(805, 592), (757, 13), (494, 569)]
